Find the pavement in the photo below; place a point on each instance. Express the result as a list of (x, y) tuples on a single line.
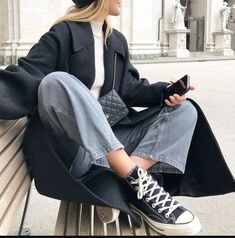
[(215, 82)]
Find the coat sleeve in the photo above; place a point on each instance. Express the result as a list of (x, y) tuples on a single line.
[(19, 83), (136, 91)]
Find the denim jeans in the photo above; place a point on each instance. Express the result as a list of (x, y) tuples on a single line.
[(71, 110), (165, 136)]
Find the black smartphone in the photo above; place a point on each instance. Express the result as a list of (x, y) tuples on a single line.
[(180, 87)]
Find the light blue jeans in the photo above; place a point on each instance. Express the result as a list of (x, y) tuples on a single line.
[(70, 109)]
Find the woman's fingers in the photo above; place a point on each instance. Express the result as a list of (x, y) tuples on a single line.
[(173, 81), (168, 103), (191, 87), (175, 100), (177, 97)]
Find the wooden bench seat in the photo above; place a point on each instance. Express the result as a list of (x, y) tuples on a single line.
[(79, 219), (15, 180)]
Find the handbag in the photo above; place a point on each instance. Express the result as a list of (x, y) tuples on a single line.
[(113, 106)]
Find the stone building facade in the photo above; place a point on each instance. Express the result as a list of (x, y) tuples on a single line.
[(145, 24)]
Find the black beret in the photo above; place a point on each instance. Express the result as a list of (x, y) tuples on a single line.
[(83, 3)]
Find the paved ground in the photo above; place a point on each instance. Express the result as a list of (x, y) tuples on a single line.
[(215, 83)]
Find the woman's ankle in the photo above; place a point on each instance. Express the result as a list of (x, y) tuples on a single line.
[(120, 162), (143, 163)]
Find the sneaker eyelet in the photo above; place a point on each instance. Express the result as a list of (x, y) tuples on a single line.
[(166, 216), (159, 211), (136, 188), (147, 200), (153, 206)]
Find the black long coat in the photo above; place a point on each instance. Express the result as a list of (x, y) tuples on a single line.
[(69, 47)]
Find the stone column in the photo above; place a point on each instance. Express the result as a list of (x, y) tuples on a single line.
[(167, 18), (22, 22), (139, 23), (212, 23)]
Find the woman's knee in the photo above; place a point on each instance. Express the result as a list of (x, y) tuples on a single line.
[(53, 81), (53, 89), (57, 84), (189, 110)]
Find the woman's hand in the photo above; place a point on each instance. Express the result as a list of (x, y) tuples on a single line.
[(177, 99)]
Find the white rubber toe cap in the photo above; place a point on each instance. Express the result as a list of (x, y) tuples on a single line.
[(185, 217)]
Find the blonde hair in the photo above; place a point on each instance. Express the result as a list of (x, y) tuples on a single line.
[(89, 13)]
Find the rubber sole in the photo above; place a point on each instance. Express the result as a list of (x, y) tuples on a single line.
[(190, 228)]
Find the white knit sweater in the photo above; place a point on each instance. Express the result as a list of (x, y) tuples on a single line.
[(99, 57)]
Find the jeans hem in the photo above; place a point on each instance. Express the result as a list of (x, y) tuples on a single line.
[(170, 166), (102, 152), (101, 163)]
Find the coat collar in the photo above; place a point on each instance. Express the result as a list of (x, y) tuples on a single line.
[(82, 36)]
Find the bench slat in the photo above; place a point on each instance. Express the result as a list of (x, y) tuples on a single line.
[(118, 230), (5, 125), (10, 151), (12, 133), (79, 218), (60, 228), (85, 221), (143, 230), (6, 221), (98, 228), (126, 229), (72, 219), (111, 228), (11, 189), (12, 167)]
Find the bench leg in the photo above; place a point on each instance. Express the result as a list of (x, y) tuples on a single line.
[(26, 231)]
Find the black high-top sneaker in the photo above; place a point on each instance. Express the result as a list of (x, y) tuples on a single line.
[(162, 212)]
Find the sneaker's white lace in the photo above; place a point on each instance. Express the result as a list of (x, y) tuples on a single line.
[(144, 181)]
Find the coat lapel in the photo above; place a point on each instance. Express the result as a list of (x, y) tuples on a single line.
[(81, 33), (82, 37)]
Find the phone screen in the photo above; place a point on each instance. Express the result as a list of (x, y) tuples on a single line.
[(185, 82), (180, 87)]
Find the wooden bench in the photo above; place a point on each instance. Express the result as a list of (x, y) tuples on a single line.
[(15, 180), (15, 183)]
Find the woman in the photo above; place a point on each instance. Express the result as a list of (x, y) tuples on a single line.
[(74, 153)]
